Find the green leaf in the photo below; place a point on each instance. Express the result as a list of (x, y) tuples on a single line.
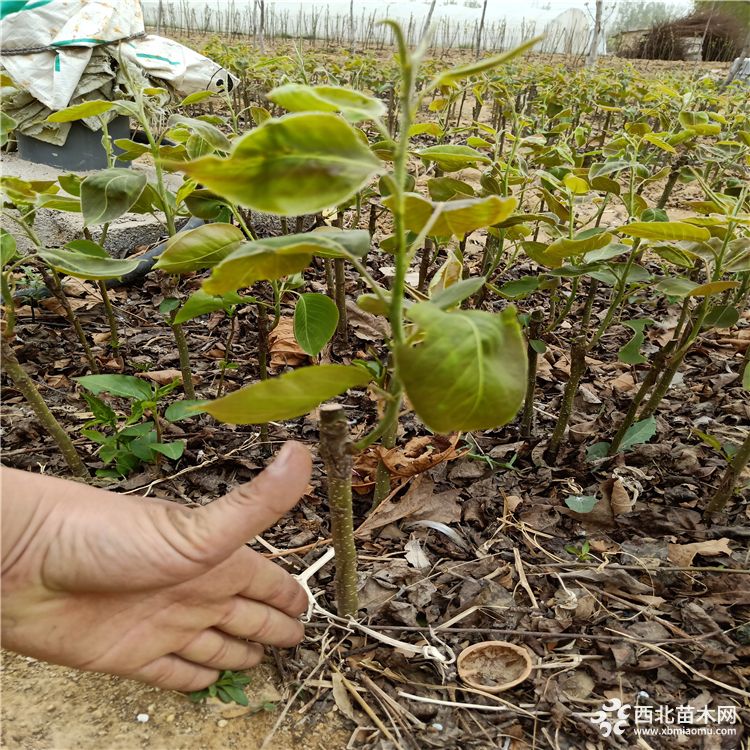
[(466, 370), (199, 248), (108, 194), (168, 304), (606, 168), (597, 450), (80, 111), (746, 377), (640, 432), (237, 694), (288, 396), (721, 316), (208, 132), (519, 288), (606, 253), (315, 319), (538, 346), (676, 287), (631, 352), (270, 259), (581, 503), (101, 411), (130, 149), (660, 143), (195, 97), (452, 158), (7, 126), (353, 105), (563, 248), (7, 247), (699, 122), (126, 386), (259, 115), (480, 66), (449, 188), (665, 230), (87, 260), (171, 450), (71, 183), (457, 293), (200, 303), (185, 409), (204, 204), (296, 164)]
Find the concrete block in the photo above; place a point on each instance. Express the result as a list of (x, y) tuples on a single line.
[(55, 228)]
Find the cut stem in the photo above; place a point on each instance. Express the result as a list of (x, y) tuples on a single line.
[(335, 450)]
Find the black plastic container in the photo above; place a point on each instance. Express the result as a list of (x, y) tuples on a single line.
[(81, 152)]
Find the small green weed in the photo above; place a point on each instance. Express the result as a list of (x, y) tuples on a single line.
[(229, 688), (582, 552)]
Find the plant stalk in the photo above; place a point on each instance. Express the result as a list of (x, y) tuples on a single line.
[(535, 329), (114, 338), (25, 384), (578, 352), (184, 352), (335, 450), (263, 357), (52, 280), (729, 479), (342, 328)]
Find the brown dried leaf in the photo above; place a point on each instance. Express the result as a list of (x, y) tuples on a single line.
[(410, 460), (57, 381), (615, 493), (341, 696), (163, 377), (682, 554), (285, 351), (364, 325), (419, 503), (623, 383)]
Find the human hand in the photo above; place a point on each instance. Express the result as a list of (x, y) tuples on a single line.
[(145, 588)]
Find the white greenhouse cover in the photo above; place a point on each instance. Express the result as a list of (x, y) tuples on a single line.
[(48, 44)]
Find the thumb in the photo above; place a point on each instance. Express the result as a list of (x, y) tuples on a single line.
[(251, 508)]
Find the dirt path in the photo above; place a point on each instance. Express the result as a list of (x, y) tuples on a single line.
[(46, 707)]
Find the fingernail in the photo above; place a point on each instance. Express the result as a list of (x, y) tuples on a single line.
[(281, 463)]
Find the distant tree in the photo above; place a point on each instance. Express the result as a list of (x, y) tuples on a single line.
[(597, 35), (642, 15), (739, 9)]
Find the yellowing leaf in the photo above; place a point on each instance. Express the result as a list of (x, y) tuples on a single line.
[(665, 230), (199, 248), (467, 368), (296, 164), (714, 287), (287, 396)]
